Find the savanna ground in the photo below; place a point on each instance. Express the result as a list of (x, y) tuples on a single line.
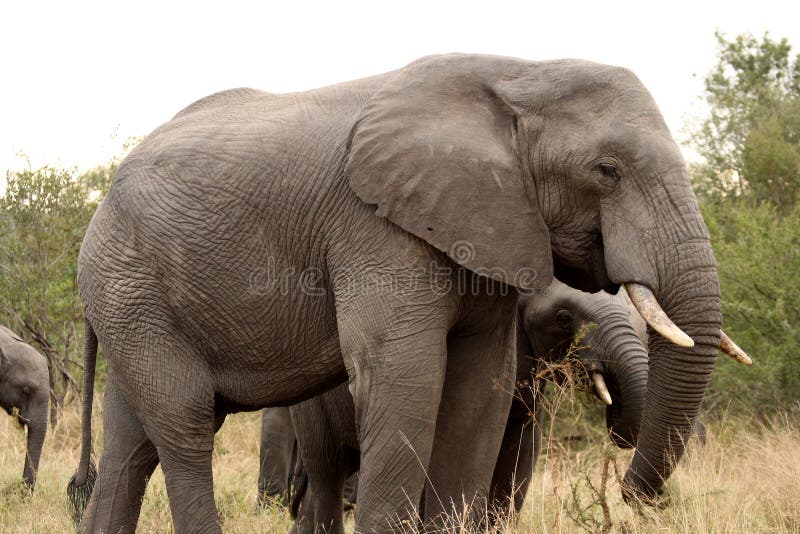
[(745, 479)]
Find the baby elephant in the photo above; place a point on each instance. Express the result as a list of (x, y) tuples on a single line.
[(24, 385), (324, 427)]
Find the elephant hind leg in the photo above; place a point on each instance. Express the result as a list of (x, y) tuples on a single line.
[(182, 423), (277, 455), (128, 460), (173, 396)]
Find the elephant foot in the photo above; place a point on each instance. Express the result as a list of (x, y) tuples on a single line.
[(635, 497)]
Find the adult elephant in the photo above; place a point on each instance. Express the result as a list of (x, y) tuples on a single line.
[(25, 385), (248, 217)]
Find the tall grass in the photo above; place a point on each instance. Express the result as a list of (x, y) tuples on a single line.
[(745, 479)]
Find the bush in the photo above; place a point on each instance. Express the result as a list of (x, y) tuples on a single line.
[(759, 257)]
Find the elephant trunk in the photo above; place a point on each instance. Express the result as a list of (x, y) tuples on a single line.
[(678, 376), (37, 429), (624, 363)]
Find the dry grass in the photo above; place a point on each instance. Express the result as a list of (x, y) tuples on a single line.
[(746, 479)]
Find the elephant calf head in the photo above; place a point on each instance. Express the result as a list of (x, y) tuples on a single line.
[(611, 351), (611, 338)]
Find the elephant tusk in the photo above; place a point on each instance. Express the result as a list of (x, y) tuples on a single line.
[(648, 307), (730, 348), (600, 388)]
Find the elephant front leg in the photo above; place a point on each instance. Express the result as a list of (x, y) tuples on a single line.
[(478, 388), (276, 457), (395, 354), (518, 453)]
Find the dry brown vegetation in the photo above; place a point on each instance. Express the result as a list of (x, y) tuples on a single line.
[(746, 479)]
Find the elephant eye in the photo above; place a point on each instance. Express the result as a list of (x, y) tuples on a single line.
[(609, 171), (563, 318)]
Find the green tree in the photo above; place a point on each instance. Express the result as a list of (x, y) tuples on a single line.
[(750, 140), (43, 216), (749, 185), (758, 253)]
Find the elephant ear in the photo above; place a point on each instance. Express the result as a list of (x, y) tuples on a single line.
[(437, 149)]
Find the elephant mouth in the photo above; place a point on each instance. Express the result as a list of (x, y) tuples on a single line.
[(17, 415), (589, 275)]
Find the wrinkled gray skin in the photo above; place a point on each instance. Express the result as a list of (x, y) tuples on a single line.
[(277, 456), (640, 326), (615, 344), (24, 385), (250, 216)]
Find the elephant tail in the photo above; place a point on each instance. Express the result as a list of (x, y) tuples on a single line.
[(299, 491), (82, 482)]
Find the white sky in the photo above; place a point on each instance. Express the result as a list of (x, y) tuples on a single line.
[(77, 78)]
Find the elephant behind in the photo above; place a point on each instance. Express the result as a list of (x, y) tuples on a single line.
[(25, 385)]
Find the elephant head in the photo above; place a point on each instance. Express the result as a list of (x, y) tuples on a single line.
[(25, 386), (611, 351), (520, 170)]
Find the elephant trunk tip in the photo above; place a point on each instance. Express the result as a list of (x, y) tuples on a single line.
[(637, 491), (79, 491)]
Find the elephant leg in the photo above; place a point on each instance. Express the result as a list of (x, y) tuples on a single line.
[(350, 491), (305, 522), (276, 456), (175, 400), (395, 354), (518, 453), (324, 428), (473, 413), (512, 473), (327, 492), (128, 460), (186, 461)]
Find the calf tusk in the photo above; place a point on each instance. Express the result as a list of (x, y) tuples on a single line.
[(730, 348), (648, 307), (600, 388)]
